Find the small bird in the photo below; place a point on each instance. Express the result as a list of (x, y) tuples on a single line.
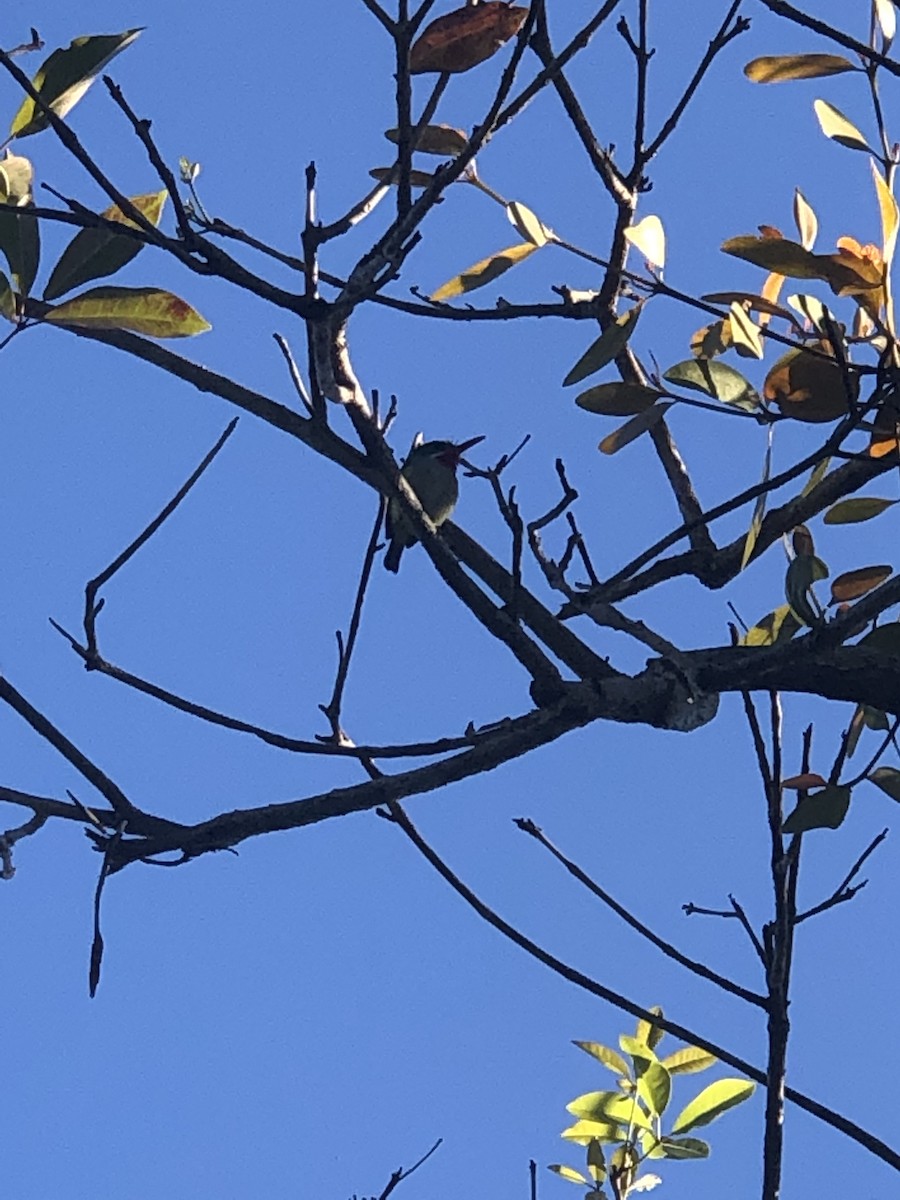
[(430, 470)]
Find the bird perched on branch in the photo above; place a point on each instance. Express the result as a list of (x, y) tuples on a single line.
[(430, 470)]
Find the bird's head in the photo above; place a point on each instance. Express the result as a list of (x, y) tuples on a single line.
[(446, 453)]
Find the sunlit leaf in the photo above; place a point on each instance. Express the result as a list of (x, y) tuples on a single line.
[(582, 1133), (837, 127), (780, 625), (812, 308), (857, 508), (712, 340), (816, 475), (778, 68), (66, 75), (484, 272), (644, 1183), (443, 140), (618, 399), (527, 225), (648, 1032), (714, 379), (610, 1059), (610, 1107), (649, 237), (712, 1102), (825, 809), (887, 206), (96, 253), (465, 37), (759, 507), (655, 1088), (888, 779), (634, 428), (151, 311), (745, 333), (775, 254), (688, 1060), (569, 1173), (805, 220), (611, 342), (810, 387), (887, 21), (853, 584)]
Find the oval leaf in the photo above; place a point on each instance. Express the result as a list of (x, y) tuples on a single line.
[(857, 508), (775, 254), (810, 387), (609, 344), (649, 237), (745, 334), (853, 584), (684, 1148), (802, 783), (443, 140), (390, 175), (836, 126), (778, 68), (888, 779), (96, 253), (825, 809), (610, 1059), (633, 429), (528, 226), (618, 399), (150, 311), (688, 1060), (712, 1102), (714, 379), (484, 272), (751, 301), (66, 75), (465, 37)]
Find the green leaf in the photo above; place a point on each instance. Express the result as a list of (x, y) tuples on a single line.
[(712, 1102), (888, 779), (66, 75), (484, 272), (837, 127), (651, 1035), (816, 475), (609, 1108), (759, 507), (582, 1133), (527, 225), (604, 1054), (632, 429), (684, 1148), (443, 140), (688, 1060), (857, 508), (852, 584), (824, 809), (96, 253), (715, 379), (655, 1088), (150, 311), (618, 399), (611, 342), (7, 299), (779, 68), (803, 571), (19, 232), (568, 1173)]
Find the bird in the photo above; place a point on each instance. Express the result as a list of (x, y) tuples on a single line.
[(430, 470)]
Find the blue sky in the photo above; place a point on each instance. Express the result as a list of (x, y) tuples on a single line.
[(304, 1017)]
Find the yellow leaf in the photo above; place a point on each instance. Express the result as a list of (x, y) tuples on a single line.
[(744, 332), (805, 220), (649, 237), (890, 218), (150, 311), (836, 126), (528, 226), (484, 272)]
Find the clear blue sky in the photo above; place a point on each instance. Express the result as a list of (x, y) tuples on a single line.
[(302, 1018)]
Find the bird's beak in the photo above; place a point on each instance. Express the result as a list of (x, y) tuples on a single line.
[(464, 446)]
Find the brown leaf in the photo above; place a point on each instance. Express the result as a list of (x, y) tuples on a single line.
[(802, 782), (809, 387), (465, 37), (853, 584)]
